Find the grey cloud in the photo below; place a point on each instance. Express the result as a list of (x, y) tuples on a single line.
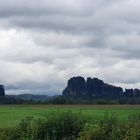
[(43, 43), (45, 7), (73, 16)]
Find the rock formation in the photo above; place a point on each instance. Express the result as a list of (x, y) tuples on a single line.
[(96, 88), (76, 87), (2, 90), (132, 93)]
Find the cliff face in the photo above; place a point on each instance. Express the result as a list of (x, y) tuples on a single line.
[(2, 90), (76, 87), (96, 88), (132, 93)]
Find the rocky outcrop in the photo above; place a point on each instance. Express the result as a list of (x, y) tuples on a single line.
[(2, 90), (96, 88), (76, 87), (132, 93)]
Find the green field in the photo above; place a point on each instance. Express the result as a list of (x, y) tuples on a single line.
[(10, 115)]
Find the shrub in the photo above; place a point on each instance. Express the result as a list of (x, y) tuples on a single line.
[(110, 128), (92, 132), (132, 128), (73, 126), (57, 126), (65, 125), (103, 130)]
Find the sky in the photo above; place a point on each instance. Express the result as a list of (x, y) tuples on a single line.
[(43, 43)]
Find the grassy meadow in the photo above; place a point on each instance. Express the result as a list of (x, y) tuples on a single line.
[(10, 115)]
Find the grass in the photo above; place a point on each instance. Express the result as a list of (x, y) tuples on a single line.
[(10, 115)]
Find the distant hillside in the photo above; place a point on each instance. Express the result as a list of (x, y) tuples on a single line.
[(94, 88), (41, 98)]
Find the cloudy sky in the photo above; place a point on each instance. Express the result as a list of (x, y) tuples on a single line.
[(45, 42)]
